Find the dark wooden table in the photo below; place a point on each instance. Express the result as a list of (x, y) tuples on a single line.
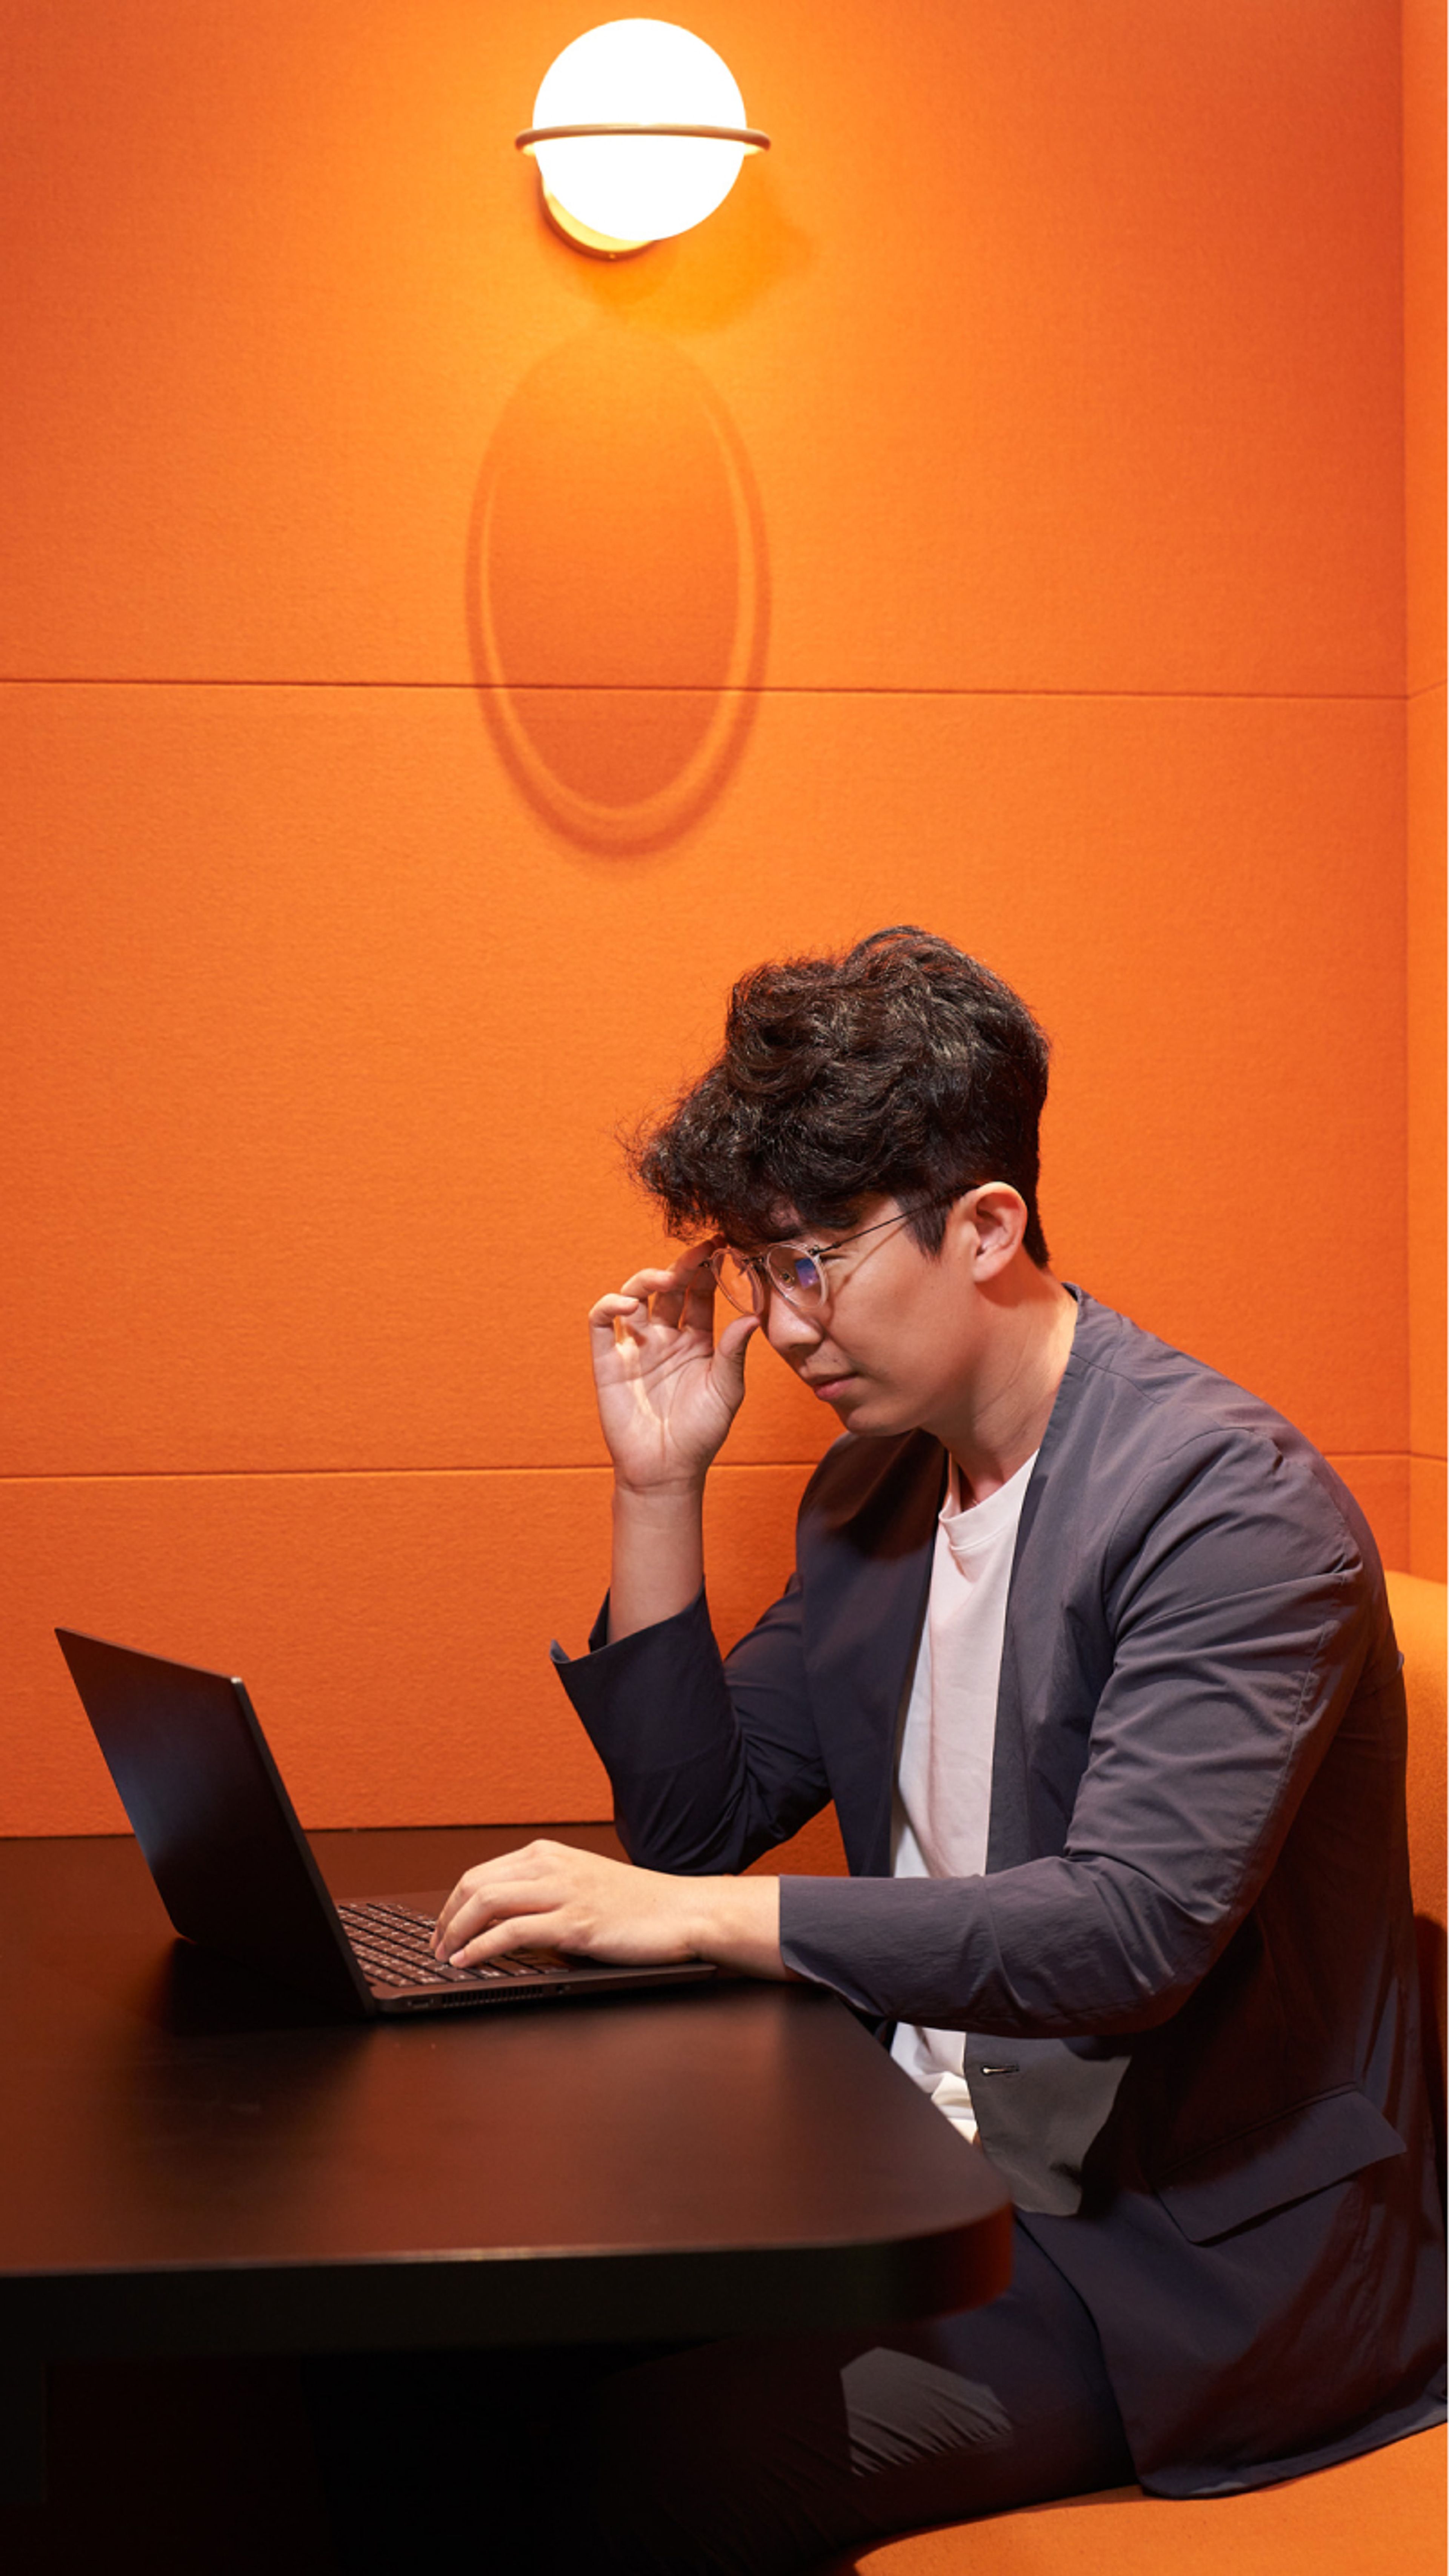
[(192, 2161)]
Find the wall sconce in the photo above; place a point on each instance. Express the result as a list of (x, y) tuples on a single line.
[(639, 132)]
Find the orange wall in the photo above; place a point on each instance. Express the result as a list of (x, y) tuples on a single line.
[(433, 664), (1424, 481)]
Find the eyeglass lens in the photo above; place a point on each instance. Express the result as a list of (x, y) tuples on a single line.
[(796, 1276)]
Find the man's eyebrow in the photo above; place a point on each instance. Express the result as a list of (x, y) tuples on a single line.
[(807, 1237)]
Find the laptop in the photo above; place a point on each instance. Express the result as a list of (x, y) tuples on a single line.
[(236, 1873)]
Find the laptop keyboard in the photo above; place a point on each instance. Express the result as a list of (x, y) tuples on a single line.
[(392, 1943)]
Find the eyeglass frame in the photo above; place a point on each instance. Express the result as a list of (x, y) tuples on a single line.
[(755, 1264)]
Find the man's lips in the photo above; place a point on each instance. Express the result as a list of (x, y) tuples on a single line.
[(828, 1384)]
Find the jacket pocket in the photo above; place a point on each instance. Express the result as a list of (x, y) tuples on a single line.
[(1282, 2160)]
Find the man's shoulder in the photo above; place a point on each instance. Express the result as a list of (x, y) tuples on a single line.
[(1140, 1424), (1158, 1398), (1114, 1359)]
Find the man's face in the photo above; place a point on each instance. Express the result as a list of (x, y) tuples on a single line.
[(895, 1346)]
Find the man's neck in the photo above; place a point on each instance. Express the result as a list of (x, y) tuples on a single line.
[(1002, 1416)]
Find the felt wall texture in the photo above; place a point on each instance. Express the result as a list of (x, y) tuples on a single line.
[(1424, 494), (433, 664)]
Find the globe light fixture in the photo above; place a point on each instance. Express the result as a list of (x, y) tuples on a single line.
[(639, 133)]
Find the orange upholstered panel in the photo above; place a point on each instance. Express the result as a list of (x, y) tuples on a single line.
[(317, 1172), (1424, 337), (431, 665), (1063, 343), (1382, 2515), (315, 1589), (322, 1044), (1424, 499)]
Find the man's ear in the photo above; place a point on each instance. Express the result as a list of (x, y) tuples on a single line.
[(996, 1216)]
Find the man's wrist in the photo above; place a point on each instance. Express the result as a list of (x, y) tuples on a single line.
[(685, 1489), (736, 1923), (658, 1556)]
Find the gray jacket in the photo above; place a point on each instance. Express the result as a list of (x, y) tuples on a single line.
[(1187, 1976)]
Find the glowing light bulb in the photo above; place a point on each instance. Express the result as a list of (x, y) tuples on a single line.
[(639, 132)]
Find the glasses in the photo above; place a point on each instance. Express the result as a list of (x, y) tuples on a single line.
[(795, 1272)]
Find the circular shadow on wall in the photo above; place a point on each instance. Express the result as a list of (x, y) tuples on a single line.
[(618, 598)]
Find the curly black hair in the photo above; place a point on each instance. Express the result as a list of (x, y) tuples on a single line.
[(903, 1069)]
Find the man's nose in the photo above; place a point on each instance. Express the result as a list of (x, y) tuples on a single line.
[(786, 1329)]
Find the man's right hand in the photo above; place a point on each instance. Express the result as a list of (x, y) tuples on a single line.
[(667, 1391)]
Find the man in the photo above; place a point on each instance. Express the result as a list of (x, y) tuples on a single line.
[(1091, 1651)]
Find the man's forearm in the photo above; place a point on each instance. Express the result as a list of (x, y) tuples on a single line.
[(658, 1559)]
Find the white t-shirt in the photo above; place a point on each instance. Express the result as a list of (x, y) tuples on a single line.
[(942, 1805)]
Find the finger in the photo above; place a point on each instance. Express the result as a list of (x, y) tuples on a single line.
[(729, 1358), (650, 1283), (476, 1893), (535, 1873), (625, 1312), (477, 1916), (445, 1931), (672, 1286), (669, 1306), (617, 1308), (697, 1256), (699, 1295), (677, 1301), (690, 1297), (550, 1931), (448, 1910)]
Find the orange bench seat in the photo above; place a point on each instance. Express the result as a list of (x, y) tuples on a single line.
[(1382, 2515)]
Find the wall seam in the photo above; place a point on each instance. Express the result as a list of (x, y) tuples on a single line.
[(546, 1467), (763, 689)]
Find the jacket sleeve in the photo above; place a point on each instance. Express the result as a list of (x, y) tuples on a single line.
[(713, 1760), (1243, 1621)]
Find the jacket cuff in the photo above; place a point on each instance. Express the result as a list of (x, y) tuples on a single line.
[(635, 1697), (618, 1656)]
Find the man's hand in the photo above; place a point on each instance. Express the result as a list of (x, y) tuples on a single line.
[(667, 1392), (552, 1896), (667, 1395)]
